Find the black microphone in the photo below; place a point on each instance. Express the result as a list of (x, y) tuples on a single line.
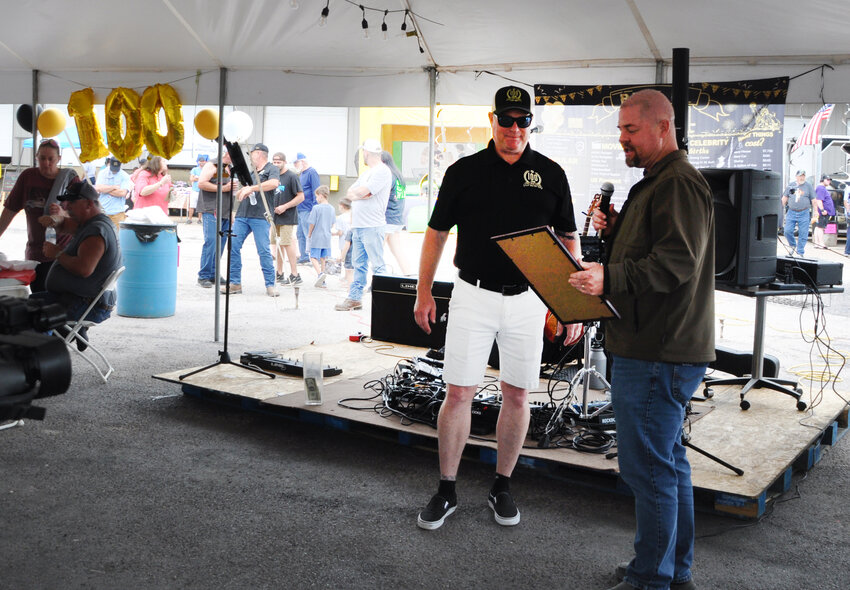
[(606, 190), (539, 129)]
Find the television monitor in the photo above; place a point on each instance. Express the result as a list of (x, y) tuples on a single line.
[(747, 209)]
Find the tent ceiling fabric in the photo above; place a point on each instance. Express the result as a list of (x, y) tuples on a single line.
[(279, 56)]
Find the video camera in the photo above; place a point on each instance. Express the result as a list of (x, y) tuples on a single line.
[(32, 364)]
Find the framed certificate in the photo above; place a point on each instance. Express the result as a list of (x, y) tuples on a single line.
[(547, 264)]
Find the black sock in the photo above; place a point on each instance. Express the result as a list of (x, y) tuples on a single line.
[(447, 490), (501, 484)]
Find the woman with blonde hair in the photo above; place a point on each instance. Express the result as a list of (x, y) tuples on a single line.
[(152, 185)]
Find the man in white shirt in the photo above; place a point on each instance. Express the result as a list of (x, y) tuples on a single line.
[(369, 196)]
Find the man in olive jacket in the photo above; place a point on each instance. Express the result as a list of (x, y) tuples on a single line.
[(660, 277)]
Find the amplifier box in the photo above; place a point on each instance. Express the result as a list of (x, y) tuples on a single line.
[(808, 271), (392, 312)]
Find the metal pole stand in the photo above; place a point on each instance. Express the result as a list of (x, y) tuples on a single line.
[(586, 372)]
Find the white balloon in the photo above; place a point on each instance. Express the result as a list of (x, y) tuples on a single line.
[(237, 126)]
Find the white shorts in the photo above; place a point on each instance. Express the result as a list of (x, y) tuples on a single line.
[(476, 318), (193, 199)]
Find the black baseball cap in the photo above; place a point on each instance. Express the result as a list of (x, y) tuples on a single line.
[(511, 97), (77, 191), (825, 177), (260, 146), (114, 164)]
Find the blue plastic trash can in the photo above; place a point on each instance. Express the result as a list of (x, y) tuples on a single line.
[(148, 286)]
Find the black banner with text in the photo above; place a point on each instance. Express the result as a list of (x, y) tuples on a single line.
[(730, 125)]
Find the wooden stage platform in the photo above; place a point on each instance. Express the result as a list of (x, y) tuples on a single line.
[(769, 441)]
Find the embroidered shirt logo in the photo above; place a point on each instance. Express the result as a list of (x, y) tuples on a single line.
[(513, 95), (532, 178)]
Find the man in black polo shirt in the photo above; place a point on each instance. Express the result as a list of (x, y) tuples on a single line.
[(504, 188)]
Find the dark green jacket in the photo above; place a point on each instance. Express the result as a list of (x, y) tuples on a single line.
[(660, 272)]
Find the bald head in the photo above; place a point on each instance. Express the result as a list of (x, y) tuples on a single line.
[(652, 105), (647, 132)]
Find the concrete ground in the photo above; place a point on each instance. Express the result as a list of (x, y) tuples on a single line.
[(133, 485)]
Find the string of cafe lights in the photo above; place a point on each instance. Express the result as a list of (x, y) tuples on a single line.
[(384, 13)]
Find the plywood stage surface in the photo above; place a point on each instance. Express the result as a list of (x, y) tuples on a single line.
[(767, 441)]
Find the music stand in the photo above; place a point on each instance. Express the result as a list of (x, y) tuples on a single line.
[(240, 168)]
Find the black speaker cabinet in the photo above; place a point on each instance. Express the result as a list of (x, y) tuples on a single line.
[(392, 312), (747, 206)]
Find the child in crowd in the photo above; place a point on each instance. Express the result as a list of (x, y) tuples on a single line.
[(342, 228), (321, 221)]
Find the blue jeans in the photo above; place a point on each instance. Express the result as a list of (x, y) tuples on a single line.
[(649, 405), (802, 220), (367, 246), (75, 305), (207, 271), (303, 238), (243, 226)]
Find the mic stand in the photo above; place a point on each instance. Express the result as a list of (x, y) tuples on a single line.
[(224, 355), (686, 441), (586, 372)]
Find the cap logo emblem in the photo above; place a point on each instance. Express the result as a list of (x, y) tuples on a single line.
[(513, 95), (532, 179)]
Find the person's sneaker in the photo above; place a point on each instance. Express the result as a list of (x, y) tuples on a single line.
[(620, 572), (435, 513), (272, 292), (305, 262), (282, 279), (295, 280), (320, 280), (504, 509), (189, 221), (348, 305), (235, 288), (205, 283)]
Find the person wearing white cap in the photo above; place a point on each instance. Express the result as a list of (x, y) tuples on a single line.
[(369, 196)]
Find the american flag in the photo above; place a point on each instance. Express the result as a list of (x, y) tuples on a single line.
[(811, 132)]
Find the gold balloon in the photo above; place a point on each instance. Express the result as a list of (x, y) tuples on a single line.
[(51, 123), (162, 96), (206, 123), (124, 101), (81, 107)]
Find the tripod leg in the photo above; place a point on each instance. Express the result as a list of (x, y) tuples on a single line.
[(686, 442)]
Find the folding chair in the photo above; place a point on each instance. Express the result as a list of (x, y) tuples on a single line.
[(73, 328)]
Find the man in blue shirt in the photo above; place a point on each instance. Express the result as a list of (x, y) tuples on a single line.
[(113, 186), (825, 208), (309, 182)]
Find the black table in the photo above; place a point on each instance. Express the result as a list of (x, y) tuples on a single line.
[(756, 378)]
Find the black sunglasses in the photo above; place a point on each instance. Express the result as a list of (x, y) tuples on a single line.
[(508, 121)]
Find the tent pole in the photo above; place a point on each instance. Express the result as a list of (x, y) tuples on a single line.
[(35, 114), (222, 96), (432, 99)]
